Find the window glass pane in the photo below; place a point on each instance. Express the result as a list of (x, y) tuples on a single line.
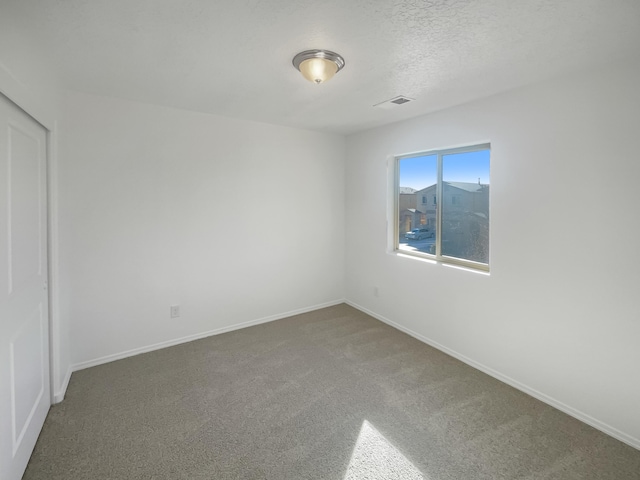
[(465, 206), (416, 209)]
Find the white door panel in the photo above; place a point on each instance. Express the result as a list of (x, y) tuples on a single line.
[(24, 324), (27, 375), (25, 217)]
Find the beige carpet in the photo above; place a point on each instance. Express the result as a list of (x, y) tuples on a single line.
[(332, 394)]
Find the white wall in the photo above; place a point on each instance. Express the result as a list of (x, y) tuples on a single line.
[(236, 221), (26, 76), (559, 314), (28, 79)]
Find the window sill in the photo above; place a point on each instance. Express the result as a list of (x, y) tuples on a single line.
[(430, 259)]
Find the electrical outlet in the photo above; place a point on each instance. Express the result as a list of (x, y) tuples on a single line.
[(175, 311)]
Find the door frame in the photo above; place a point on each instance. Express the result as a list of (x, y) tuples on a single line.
[(44, 115)]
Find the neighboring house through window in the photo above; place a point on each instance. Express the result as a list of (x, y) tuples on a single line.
[(457, 181)]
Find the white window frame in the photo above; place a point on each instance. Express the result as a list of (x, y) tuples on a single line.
[(438, 257)]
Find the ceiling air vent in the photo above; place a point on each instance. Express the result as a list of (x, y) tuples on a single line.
[(400, 100), (394, 102)]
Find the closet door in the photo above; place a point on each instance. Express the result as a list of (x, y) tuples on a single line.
[(24, 313)]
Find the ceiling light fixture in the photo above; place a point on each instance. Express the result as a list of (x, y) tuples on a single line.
[(318, 66)]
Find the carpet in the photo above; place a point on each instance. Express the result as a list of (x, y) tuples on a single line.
[(330, 394)]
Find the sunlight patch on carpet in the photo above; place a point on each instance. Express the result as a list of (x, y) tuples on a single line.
[(374, 457)]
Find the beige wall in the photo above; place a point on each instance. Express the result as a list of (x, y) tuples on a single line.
[(407, 200)]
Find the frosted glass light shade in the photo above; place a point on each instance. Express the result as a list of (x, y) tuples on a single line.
[(318, 66), (318, 70)]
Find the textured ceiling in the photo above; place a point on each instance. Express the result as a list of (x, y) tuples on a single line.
[(233, 57)]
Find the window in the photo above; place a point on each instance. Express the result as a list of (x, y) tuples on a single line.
[(458, 219)]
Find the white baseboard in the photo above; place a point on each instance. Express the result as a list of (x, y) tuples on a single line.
[(583, 417), (197, 336), (58, 396)]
